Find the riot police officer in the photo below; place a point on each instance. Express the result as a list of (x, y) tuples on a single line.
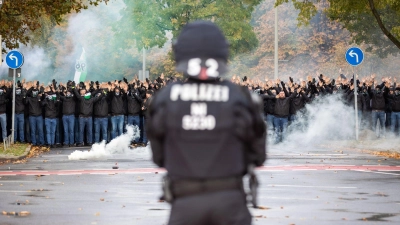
[(206, 133)]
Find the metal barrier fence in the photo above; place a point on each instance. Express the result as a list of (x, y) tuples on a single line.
[(7, 142)]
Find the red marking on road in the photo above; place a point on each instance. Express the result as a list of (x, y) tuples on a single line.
[(161, 170)]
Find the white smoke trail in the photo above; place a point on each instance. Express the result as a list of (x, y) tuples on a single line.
[(119, 145)]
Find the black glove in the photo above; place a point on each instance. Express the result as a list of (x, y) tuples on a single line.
[(291, 79)]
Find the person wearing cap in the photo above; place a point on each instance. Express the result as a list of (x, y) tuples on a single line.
[(117, 111), (20, 94), (205, 133), (378, 105), (134, 105), (395, 97), (33, 100), (50, 104), (100, 113), (68, 117), (86, 102)]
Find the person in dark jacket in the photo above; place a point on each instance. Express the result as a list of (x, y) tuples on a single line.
[(134, 102), (297, 104), (146, 103), (50, 103), (101, 116), (33, 101), (86, 102), (395, 97), (19, 123), (4, 99), (68, 117), (378, 106), (117, 98)]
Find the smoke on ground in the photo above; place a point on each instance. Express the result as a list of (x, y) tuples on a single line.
[(329, 122), (119, 145)]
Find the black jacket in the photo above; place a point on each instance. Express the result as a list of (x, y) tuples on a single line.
[(101, 106), (378, 99), (135, 101), (34, 105), (298, 102), (117, 104), (50, 107), (20, 102), (68, 105), (4, 98), (86, 105), (221, 150), (395, 102)]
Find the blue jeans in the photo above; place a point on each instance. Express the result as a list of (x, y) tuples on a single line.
[(270, 121), (58, 129), (88, 123), (3, 121), (50, 124), (19, 128), (27, 131), (117, 126), (378, 115), (100, 124), (36, 125), (69, 125), (76, 130), (395, 121), (280, 124), (135, 121), (144, 131)]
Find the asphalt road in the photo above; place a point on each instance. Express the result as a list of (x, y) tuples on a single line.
[(298, 186)]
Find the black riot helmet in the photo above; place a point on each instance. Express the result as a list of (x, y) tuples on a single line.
[(201, 51)]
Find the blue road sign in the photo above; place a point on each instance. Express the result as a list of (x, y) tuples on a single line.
[(14, 59), (354, 56)]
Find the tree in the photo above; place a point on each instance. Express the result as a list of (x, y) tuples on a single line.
[(147, 23), (19, 18), (375, 23)]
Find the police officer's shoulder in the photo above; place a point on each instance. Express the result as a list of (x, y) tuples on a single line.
[(163, 94)]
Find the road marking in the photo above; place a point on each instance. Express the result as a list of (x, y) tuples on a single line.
[(12, 191), (305, 186), (381, 173), (309, 199), (161, 170)]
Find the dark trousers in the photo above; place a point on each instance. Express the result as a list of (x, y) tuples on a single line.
[(223, 207)]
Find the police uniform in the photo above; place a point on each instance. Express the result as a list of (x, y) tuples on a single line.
[(206, 133)]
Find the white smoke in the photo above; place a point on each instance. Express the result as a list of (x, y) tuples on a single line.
[(326, 118), (119, 145)]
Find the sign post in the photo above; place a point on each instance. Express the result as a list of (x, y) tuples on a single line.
[(14, 60), (355, 56)]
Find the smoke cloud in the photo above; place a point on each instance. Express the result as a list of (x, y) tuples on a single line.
[(119, 145)]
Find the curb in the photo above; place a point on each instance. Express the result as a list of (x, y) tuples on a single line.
[(16, 158)]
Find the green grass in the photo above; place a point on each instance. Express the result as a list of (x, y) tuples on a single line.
[(13, 150)]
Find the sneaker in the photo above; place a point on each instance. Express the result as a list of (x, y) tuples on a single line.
[(52, 146), (79, 145)]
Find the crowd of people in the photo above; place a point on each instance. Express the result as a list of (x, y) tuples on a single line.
[(284, 102), (78, 114)]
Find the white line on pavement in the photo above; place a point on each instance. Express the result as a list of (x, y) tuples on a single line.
[(304, 186), (12, 191), (310, 199), (380, 173)]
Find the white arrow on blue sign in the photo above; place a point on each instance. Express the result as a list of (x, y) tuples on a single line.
[(354, 56), (14, 59)]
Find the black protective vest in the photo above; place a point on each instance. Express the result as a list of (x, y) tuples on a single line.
[(205, 130)]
